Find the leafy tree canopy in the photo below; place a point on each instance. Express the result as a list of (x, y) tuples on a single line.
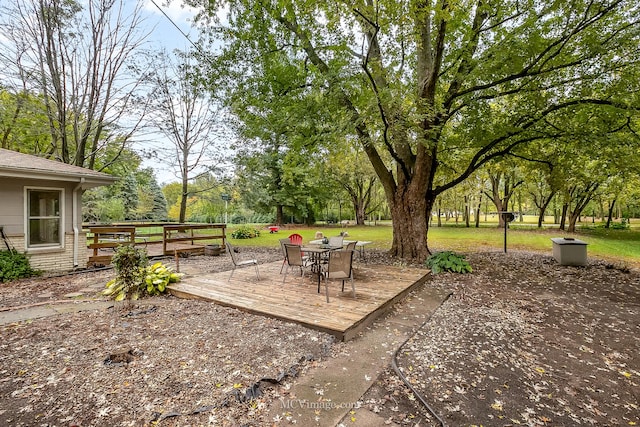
[(424, 85)]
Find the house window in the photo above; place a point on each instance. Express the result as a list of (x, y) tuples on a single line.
[(44, 217)]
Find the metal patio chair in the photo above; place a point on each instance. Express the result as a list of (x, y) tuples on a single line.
[(294, 259), (336, 241), (351, 246), (285, 241), (340, 267), (240, 263)]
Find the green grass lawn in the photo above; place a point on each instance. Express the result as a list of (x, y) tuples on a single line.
[(622, 246)]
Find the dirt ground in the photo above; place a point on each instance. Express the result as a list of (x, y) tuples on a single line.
[(524, 341), (521, 341)]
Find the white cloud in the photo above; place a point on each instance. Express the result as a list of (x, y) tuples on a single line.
[(176, 10)]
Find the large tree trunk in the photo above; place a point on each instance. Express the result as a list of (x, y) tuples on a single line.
[(410, 225), (572, 223), (582, 200), (611, 206), (540, 217), (478, 211), (501, 202), (279, 214), (360, 214), (542, 209), (360, 190), (563, 215)]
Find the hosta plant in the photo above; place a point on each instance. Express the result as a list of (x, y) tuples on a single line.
[(157, 277), (448, 261)]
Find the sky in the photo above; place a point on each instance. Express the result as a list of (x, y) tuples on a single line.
[(165, 35)]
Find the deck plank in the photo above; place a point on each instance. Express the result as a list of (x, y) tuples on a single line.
[(378, 287)]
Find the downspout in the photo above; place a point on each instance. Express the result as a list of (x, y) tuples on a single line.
[(74, 219)]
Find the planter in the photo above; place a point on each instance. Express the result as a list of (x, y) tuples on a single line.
[(212, 250)]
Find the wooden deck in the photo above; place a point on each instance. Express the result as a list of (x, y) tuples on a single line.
[(377, 289)]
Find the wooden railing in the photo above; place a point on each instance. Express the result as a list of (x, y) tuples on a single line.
[(176, 238), (108, 238), (183, 239)]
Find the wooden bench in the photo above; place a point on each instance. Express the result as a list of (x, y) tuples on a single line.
[(182, 238)]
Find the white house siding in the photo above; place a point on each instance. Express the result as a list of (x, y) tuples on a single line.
[(11, 197), (12, 211), (12, 202)]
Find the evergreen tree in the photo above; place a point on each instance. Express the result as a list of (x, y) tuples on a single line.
[(159, 209), (130, 196)]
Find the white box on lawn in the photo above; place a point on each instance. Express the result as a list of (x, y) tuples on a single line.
[(568, 251)]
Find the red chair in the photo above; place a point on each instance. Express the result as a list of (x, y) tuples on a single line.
[(295, 239)]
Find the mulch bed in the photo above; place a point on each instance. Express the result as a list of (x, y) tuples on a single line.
[(524, 341), (521, 341)]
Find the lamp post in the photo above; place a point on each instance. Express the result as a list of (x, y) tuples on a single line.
[(226, 198), (507, 217)]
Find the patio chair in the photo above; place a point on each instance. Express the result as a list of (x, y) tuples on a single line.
[(351, 246), (336, 241), (295, 239), (294, 259), (340, 266), (240, 263), (283, 242)]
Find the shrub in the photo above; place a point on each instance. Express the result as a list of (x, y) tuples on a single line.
[(134, 278), (157, 277), (238, 219), (14, 265), (257, 218), (448, 261), (622, 225), (245, 232), (129, 263)]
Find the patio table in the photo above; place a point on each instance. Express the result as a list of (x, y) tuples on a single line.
[(315, 255), (360, 244)]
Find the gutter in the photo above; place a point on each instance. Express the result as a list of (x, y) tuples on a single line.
[(74, 220)]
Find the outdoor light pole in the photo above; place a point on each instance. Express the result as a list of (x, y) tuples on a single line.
[(226, 199), (507, 217)]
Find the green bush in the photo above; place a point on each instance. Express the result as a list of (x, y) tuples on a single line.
[(257, 218), (134, 278), (157, 277), (622, 225), (238, 219), (129, 263), (245, 232), (14, 265), (448, 261)]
